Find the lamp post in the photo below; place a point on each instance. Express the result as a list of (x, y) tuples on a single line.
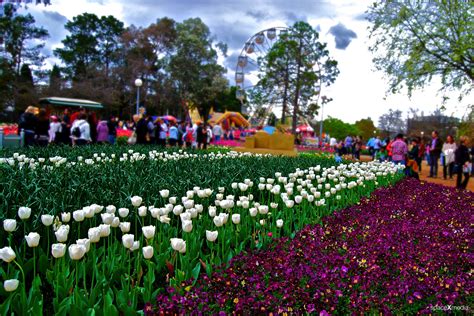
[(323, 100), (138, 84)]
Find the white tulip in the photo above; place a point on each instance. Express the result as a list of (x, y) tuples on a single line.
[(135, 246), (212, 211), (236, 218), (47, 219), (298, 199), (165, 219), (268, 186), (243, 187), (94, 234), (78, 215), (273, 205), (279, 223), (262, 222), (190, 194), (104, 230), (147, 252), (224, 216), (58, 250), (270, 180), (188, 204), (96, 208), (178, 244), (177, 209), (125, 227), (211, 235), (76, 252), (127, 240), (187, 226), (199, 208), (62, 232), (289, 203), (9, 225), (172, 200), (123, 212), (245, 204), (164, 193), (261, 186), (333, 190), (7, 254), (88, 212), (253, 211), (208, 192), (107, 218), (10, 285), (219, 196), (85, 242), (65, 217), (142, 210), (263, 209), (186, 216), (234, 185), (24, 212), (193, 212), (218, 221), (149, 231), (221, 189), (317, 194), (115, 222), (32, 239), (327, 194), (110, 209), (136, 201), (310, 198)]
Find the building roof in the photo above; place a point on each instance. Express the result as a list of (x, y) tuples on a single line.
[(67, 102)]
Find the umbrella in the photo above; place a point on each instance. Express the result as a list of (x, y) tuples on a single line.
[(305, 128), (169, 118)]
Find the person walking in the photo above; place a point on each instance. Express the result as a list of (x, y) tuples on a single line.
[(181, 132), (162, 131), (462, 163), (80, 131), (65, 128), (102, 132), (448, 149), (141, 129), (188, 135), (151, 130), (217, 131), (413, 162), (399, 150), (42, 129), (348, 144), (435, 152)]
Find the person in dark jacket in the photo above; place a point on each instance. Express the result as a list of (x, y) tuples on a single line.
[(42, 129), (141, 129), (435, 152), (27, 123), (112, 126), (461, 161)]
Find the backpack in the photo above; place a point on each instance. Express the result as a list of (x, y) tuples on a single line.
[(76, 131)]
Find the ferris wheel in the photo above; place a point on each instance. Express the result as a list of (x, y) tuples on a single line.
[(248, 69)]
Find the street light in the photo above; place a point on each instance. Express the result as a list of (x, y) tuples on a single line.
[(138, 84), (323, 98)]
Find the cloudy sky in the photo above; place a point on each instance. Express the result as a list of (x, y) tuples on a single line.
[(359, 91)]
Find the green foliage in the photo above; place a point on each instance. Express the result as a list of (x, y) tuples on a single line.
[(339, 129), (415, 41), (366, 128)]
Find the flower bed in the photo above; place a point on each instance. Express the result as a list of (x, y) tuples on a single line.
[(105, 229), (405, 250)]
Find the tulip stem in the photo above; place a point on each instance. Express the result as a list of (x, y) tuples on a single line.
[(34, 262), (21, 270)]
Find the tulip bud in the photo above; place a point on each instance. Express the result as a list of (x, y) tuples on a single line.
[(110, 209), (107, 218), (212, 211), (188, 204), (172, 200), (10, 285), (178, 244), (94, 234), (125, 227), (104, 230), (147, 252), (65, 217), (211, 235), (279, 223), (7, 254), (58, 250), (289, 203), (127, 240), (190, 194), (164, 193), (218, 221), (263, 209), (76, 252), (149, 231), (253, 211), (78, 215), (273, 205), (234, 185), (32, 240), (9, 225), (298, 199), (96, 208), (187, 226), (115, 222), (47, 220), (135, 246), (165, 219), (136, 201), (88, 212), (142, 210), (236, 219), (85, 242), (62, 232), (123, 212), (262, 222), (24, 212)]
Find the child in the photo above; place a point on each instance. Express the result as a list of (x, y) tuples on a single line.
[(382, 154)]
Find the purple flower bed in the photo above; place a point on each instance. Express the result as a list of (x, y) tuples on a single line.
[(407, 249)]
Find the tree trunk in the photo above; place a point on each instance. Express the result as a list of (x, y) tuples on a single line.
[(297, 92), (285, 92)]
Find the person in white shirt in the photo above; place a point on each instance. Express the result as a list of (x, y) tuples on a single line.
[(163, 132), (217, 132), (448, 149), (54, 129), (81, 130)]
